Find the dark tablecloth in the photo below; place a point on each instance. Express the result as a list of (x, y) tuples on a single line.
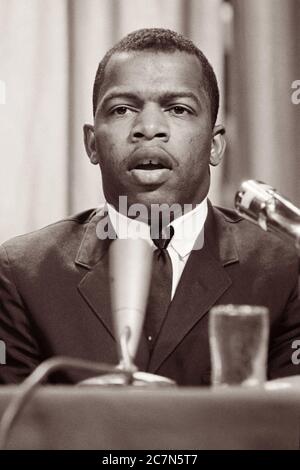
[(180, 418)]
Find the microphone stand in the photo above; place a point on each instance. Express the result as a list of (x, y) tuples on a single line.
[(130, 264), (131, 375)]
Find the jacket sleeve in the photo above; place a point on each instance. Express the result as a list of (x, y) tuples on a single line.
[(284, 347), (19, 350)]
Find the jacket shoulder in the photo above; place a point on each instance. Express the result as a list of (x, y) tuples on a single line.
[(253, 242), (63, 233), (229, 215)]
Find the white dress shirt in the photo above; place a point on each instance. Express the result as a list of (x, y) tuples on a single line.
[(187, 229)]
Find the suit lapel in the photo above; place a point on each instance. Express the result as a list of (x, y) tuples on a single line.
[(203, 281), (94, 288), (93, 255)]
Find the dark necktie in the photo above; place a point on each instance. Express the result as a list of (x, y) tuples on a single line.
[(160, 289)]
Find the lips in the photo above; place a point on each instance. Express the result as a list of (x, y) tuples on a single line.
[(149, 159), (150, 167)]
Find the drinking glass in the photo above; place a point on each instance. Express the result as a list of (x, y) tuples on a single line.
[(238, 337)]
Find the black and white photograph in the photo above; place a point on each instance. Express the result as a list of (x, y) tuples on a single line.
[(150, 229)]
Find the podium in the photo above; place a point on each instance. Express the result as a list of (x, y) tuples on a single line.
[(70, 417)]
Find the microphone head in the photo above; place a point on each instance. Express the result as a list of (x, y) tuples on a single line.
[(252, 200), (263, 205), (130, 264)]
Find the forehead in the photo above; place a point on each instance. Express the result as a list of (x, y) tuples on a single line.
[(144, 71)]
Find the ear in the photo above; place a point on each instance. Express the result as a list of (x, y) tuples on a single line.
[(218, 145), (90, 143)]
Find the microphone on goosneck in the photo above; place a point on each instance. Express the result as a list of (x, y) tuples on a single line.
[(130, 264), (130, 270), (130, 278), (263, 205)]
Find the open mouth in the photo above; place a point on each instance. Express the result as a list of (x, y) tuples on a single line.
[(153, 158), (150, 166)]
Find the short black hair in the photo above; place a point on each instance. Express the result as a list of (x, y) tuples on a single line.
[(161, 40)]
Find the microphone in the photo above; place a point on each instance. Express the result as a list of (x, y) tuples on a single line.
[(264, 206), (130, 263), (130, 270)]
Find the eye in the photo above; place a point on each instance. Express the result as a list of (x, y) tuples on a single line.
[(179, 110), (120, 110)]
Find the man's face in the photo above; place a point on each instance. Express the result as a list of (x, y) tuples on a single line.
[(153, 129)]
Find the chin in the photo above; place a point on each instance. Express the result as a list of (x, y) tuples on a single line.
[(149, 199)]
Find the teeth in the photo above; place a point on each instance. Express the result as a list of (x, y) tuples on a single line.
[(152, 161)]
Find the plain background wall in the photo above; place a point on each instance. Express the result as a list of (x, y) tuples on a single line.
[(49, 52)]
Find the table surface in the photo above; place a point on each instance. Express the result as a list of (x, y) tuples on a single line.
[(70, 417)]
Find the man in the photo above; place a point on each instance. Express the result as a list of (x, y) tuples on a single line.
[(154, 137)]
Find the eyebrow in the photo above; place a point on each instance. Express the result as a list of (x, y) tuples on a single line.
[(116, 94), (169, 96), (164, 97)]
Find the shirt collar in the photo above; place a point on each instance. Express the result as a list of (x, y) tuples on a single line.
[(126, 227), (187, 228)]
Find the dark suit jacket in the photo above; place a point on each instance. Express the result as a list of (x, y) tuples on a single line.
[(54, 298)]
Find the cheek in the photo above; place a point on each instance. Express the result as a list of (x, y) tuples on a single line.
[(108, 149), (196, 160), (195, 138), (198, 150), (200, 139)]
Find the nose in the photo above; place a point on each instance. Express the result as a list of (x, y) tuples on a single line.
[(150, 123)]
